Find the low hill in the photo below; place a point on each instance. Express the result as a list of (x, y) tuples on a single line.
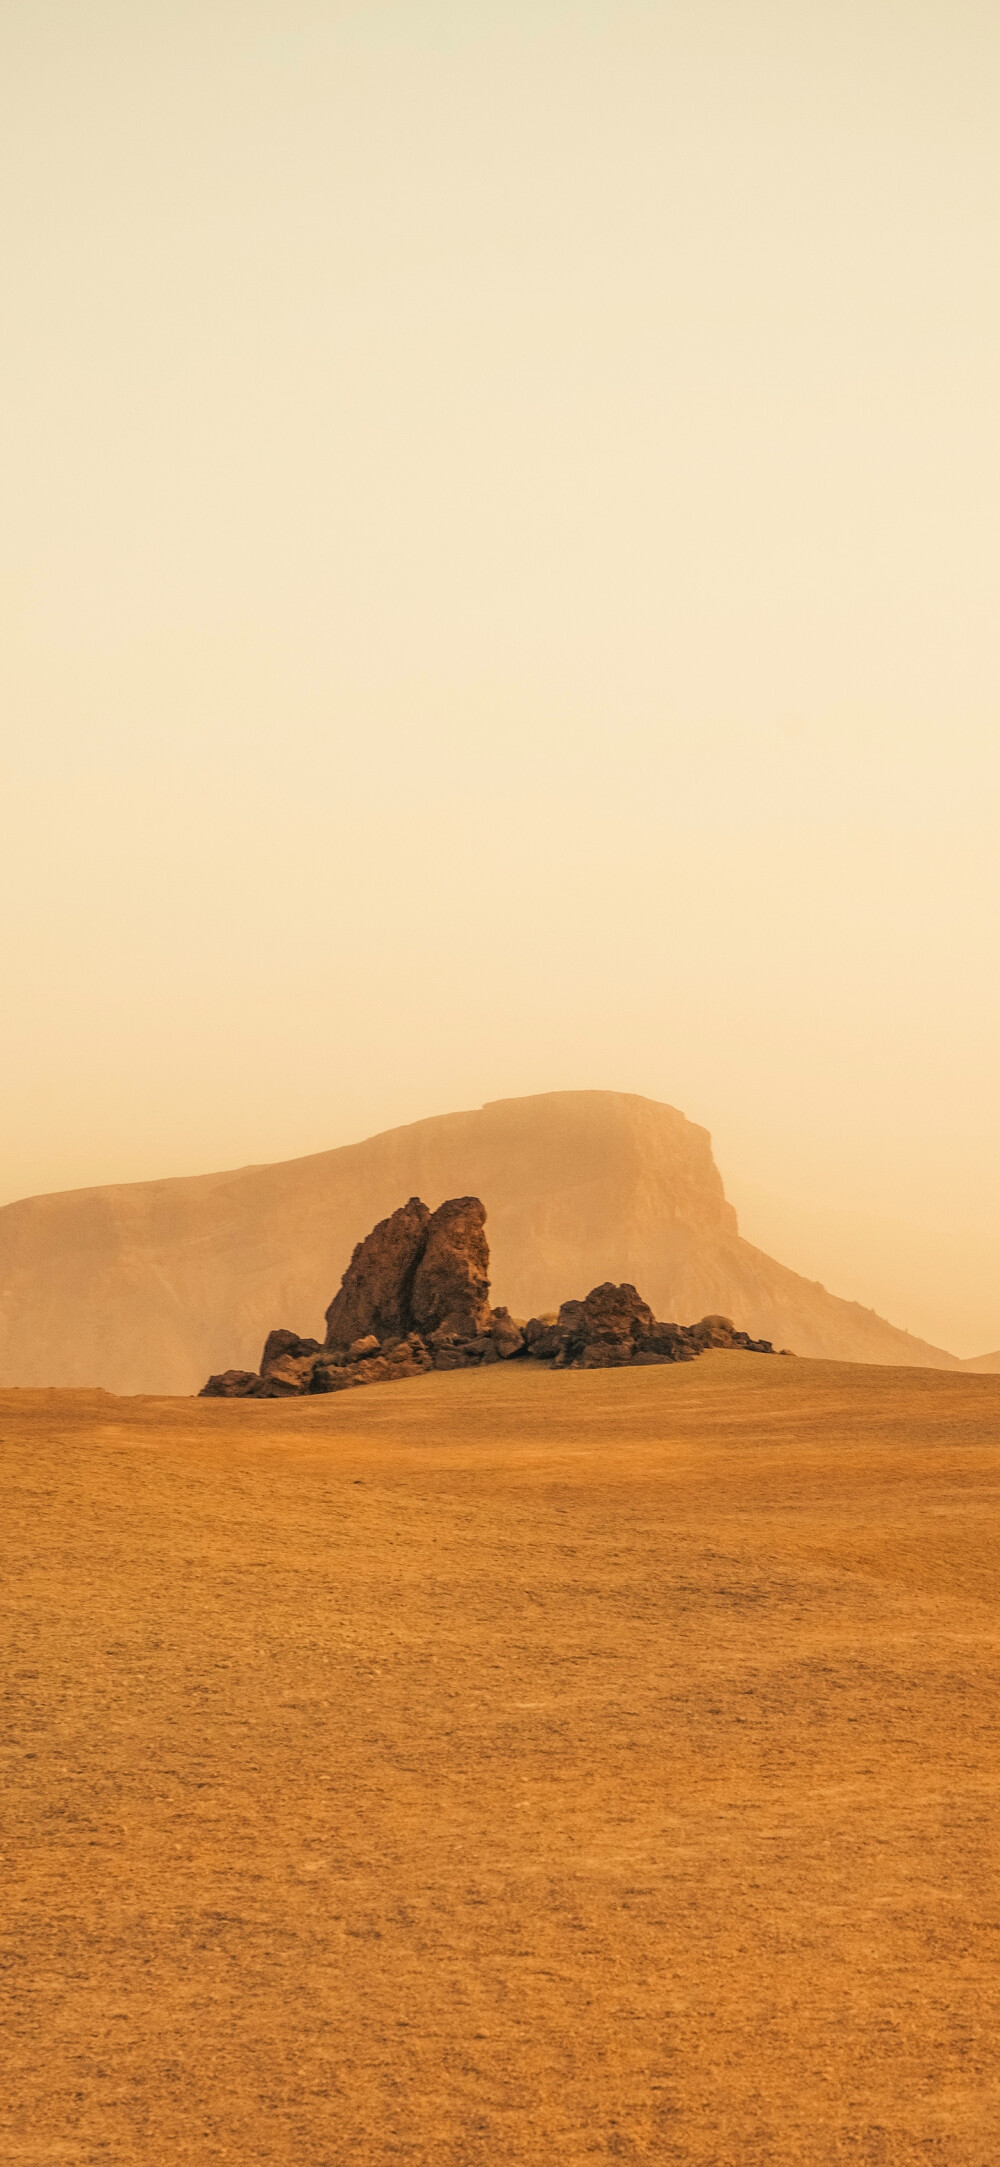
[(150, 1286), (983, 1365)]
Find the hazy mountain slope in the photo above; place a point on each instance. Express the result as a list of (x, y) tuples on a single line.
[(149, 1286), (986, 1365)]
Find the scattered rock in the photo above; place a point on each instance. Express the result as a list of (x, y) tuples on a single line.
[(508, 1339), (233, 1384), (613, 1326), (336, 1372)]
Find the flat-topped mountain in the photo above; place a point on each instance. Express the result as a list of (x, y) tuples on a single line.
[(150, 1286)]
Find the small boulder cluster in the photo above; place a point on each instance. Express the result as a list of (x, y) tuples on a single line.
[(415, 1297), (614, 1326)]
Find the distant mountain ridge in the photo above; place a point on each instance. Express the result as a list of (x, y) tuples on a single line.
[(150, 1286)]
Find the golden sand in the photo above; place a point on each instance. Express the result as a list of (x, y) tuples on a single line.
[(505, 1767)]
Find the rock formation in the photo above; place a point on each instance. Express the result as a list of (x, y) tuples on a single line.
[(418, 1271), (374, 1295), (415, 1297), (451, 1285), (614, 1326)]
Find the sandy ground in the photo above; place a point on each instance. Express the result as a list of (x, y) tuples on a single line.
[(506, 1767)]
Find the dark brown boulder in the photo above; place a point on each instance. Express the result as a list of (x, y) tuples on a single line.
[(611, 1326), (507, 1337), (542, 1338), (374, 1294), (616, 1320), (233, 1384), (451, 1285), (618, 1311), (281, 1343), (287, 1375)]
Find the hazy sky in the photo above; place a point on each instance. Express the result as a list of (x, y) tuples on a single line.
[(499, 555)]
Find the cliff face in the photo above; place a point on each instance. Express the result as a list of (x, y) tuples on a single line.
[(149, 1287)]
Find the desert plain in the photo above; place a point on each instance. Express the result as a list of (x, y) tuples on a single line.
[(505, 1766)]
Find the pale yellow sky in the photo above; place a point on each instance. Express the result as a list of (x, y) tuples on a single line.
[(499, 560)]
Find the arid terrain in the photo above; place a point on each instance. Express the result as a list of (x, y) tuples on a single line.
[(505, 1766)]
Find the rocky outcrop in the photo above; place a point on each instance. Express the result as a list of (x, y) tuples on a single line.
[(284, 1346), (613, 1327), (418, 1271), (233, 1384), (367, 1362), (374, 1297), (451, 1285), (415, 1297)]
